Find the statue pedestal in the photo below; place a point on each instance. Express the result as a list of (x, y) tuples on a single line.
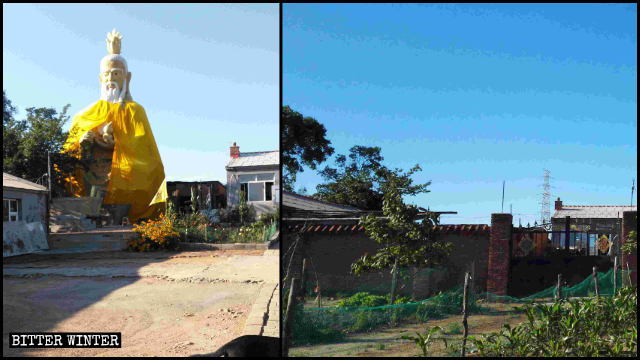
[(112, 214), (73, 213)]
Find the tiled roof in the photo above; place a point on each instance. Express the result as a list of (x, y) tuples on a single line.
[(259, 158), (593, 211), (301, 202), (19, 183), (338, 228)]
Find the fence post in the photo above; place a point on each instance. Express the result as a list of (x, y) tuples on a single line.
[(595, 279), (394, 281), (628, 274), (303, 284), (559, 288), (288, 319), (473, 276), (615, 274), (465, 312), (319, 298)]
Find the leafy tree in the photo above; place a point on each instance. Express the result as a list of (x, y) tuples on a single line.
[(44, 134), (12, 132), (359, 181), (404, 241), (303, 143), (26, 142)]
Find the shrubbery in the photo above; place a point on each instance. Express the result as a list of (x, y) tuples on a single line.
[(603, 326), (154, 234), (364, 299)]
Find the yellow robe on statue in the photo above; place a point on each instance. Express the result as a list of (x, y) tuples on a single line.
[(136, 168)]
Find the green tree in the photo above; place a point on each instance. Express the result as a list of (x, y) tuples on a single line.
[(359, 180), (26, 142), (304, 142), (12, 132), (404, 240)]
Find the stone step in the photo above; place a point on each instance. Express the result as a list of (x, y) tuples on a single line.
[(105, 239)]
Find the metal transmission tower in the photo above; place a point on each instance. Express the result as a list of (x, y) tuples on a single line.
[(545, 212)]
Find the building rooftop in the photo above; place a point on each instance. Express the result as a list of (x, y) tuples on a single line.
[(298, 202), (593, 211), (260, 158), (464, 229), (10, 181)]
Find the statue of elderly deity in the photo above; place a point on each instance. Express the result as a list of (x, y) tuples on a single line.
[(112, 137)]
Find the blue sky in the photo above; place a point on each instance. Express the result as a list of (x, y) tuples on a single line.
[(207, 75), (475, 94)]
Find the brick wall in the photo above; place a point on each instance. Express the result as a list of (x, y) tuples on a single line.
[(499, 254), (333, 253), (630, 223)]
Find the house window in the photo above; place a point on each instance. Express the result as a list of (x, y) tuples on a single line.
[(244, 191), (268, 186), (257, 187), (11, 210)]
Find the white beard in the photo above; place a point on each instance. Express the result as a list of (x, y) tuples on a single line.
[(109, 94)]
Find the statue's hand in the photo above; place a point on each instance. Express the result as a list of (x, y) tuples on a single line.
[(113, 42), (107, 135), (88, 136)]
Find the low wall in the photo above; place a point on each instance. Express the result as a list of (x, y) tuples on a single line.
[(330, 255), (530, 275), (23, 238)]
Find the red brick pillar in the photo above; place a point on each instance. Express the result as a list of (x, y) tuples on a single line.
[(499, 254), (630, 223)]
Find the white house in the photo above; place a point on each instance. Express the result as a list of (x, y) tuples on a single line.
[(257, 175)]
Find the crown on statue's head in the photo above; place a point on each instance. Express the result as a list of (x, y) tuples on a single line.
[(113, 42)]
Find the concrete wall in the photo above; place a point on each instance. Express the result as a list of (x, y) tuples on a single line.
[(233, 188), (330, 255), (29, 233)]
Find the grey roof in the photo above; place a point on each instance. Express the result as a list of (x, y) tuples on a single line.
[(10, 181), (259, 158), (593, 211), (300, 202)]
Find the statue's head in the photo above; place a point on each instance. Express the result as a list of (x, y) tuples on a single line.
[(114, 73)]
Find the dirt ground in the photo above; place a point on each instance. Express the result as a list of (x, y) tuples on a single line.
[(164, 304), (386, 342)]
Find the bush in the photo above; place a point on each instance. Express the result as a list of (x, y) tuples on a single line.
[(154, 234), (232, 215), (603, 326), (454, 329), (269, 218), (365, 299)]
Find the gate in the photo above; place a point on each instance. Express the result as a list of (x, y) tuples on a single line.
[(537, 242)]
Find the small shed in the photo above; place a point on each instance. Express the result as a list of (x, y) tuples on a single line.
[(24, 216)]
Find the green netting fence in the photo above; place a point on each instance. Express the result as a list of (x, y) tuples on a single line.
[(269, 231), (330, 324)]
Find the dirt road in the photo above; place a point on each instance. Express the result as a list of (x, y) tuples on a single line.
[(164, 304)]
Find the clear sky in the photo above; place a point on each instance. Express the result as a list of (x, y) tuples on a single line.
[(207, 75), (475, 94)]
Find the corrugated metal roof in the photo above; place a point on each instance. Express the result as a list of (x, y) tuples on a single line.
[(301, 202), (259, 158), (593, 211), (19, 183)]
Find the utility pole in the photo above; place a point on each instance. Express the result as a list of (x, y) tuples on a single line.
[(49, 172), (633, 186)]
